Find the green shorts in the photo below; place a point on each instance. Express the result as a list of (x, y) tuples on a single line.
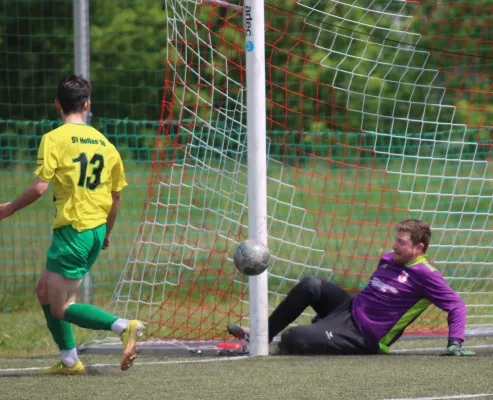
[(73, 253)]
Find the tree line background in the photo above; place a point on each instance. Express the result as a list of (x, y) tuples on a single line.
[(128, 63)]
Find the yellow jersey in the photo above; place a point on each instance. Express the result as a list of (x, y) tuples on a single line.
[(85, 168)]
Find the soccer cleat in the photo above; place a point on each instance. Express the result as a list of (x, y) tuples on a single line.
[(238, 332), (129, 338), (61, 369)]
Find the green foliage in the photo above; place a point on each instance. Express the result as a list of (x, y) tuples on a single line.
[(335, 85), (357, 64), (37, 50), (127, 41), (128, 56)]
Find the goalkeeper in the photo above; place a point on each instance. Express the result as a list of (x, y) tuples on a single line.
[(402, 287), (88, 175)]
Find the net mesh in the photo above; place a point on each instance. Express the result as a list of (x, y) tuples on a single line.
[(377, 111)]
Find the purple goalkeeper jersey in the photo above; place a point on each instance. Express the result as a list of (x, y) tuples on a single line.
[(397, 294)]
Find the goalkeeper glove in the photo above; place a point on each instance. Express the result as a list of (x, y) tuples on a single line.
[(454, 348)]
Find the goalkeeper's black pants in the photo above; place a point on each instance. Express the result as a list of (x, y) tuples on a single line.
[(333, 332)]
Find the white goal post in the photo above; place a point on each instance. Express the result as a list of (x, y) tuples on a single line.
[(253, 16)]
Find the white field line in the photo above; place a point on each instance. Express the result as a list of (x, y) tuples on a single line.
[(459, 396), (137, 364), (478, 346)]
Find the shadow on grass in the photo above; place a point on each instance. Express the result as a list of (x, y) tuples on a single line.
[(90, 371)]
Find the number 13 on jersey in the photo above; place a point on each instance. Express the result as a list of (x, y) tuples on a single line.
[(97, 162)]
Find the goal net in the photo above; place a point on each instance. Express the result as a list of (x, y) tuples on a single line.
[(377, 111)]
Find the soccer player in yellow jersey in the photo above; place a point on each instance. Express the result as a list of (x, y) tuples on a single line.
[(88, 176)]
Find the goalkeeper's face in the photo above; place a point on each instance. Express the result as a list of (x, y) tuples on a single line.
[(404, 249)]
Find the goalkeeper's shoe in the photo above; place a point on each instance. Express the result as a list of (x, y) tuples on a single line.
[(61, 369), (129, 338), (454, 348), (238, 332)]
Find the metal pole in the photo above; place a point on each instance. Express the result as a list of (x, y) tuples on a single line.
[(82, 67), (82, 43), (253, 16)]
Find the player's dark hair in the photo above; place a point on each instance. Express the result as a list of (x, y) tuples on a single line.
[(419, 231), (73, 91)]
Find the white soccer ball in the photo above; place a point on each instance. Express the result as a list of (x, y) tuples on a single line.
[(251, 258)]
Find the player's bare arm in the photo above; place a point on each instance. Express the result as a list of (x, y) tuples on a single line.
[(115, 207), (30, 195)]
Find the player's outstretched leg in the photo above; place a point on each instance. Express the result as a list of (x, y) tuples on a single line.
[(61, 369), (129, 338), (239, 332)]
